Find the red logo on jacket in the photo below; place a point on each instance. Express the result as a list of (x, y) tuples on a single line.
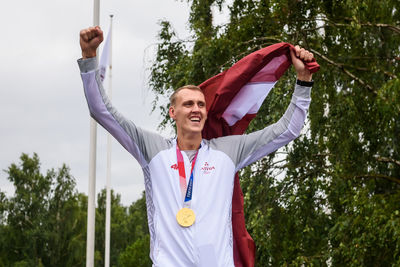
[(207, 168), (174, 166)]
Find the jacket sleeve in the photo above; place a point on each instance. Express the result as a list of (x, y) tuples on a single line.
[(256, 145), (138, 142)]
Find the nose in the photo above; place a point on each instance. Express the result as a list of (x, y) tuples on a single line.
[(196, 108)]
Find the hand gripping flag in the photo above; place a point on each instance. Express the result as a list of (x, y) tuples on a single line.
[(233, 99)]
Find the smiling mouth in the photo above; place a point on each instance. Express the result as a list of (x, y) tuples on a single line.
[(195, 119)]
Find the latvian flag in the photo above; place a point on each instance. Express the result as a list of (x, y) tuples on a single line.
[(233, 99)]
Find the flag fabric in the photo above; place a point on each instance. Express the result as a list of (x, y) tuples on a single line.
[(233, 99), (105, 57)]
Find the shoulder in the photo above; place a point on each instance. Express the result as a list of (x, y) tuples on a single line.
[(223, 141), (227, 144)]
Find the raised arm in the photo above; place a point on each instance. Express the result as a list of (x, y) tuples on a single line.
[(141, 144), (258, 144)]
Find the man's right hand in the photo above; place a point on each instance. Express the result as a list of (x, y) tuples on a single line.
[(90, 39)]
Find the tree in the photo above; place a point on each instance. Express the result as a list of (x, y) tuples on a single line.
[(137, 254), (332, 195), (138, 251), (44, 223), (129, 235), (120, 235), (3, 228)]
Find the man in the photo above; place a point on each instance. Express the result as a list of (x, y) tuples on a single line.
[(189, 195)]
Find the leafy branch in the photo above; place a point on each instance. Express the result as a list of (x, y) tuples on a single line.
[(376, 175), (341, 66), (368, 24), (385, 159)]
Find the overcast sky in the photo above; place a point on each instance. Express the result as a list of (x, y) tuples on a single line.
[(42, 104)]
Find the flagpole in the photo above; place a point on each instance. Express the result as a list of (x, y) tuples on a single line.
[(92, 170), (108, 182)]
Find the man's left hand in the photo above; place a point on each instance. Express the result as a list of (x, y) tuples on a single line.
[(299, 56)]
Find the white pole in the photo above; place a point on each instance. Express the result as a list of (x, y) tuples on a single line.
[(92, 170), (108, 182)]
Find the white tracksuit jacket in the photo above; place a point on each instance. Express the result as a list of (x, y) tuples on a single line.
[(209, 242)]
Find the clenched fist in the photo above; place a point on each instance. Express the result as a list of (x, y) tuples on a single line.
[(90, 39), (299, 56)]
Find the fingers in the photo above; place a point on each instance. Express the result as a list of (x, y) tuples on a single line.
[(299, 57), (90, 39), (90, 33), (303, 54)]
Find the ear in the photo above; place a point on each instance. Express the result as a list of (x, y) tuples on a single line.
[(171, 112)]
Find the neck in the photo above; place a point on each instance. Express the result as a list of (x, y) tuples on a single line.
[(189, 142)]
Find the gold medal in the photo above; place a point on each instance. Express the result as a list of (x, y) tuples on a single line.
[(185, 217)]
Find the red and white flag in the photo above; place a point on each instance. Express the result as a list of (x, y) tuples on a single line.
[(233, 99)]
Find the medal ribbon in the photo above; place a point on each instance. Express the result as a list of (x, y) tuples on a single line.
[(186, 190)]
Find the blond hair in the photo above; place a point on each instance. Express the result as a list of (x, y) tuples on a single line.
[(172, 98)]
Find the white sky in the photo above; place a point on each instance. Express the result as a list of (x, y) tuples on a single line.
[(42, 105)]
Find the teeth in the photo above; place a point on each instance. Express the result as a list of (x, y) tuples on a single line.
[(195, 119)]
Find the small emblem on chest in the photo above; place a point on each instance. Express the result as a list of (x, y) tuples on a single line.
[(207, 168), (174, 166)]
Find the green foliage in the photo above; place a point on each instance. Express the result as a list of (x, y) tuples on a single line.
[(137, 254), (119, 233), (44, 222), (129, 231), (137, 220), (42, 217), (331, 197)]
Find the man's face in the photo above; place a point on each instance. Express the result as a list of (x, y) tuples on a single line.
[(189, 111)]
